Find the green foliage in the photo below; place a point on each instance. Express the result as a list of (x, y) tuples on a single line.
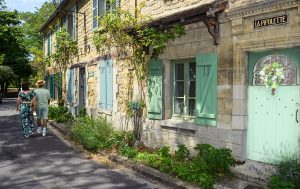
[(65, 48), (93, 134), (33, 38), (128, 151), (98, 134), (82, 112), (12, 49), (287, 175), (6, 74), (201, 169), (206, 181), (60, 114), (182, 153), (164, 151), (126, 32), (218, 160)]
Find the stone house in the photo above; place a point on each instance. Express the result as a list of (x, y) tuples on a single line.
[(206, 86)]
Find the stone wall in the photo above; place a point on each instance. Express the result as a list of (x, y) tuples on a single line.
[(237, 37), (170, 132), (167, 7)]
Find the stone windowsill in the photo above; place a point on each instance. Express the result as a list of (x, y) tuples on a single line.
[(106, 112), (178, 124)]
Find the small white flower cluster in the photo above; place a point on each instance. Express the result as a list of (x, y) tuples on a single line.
[(272, 75)]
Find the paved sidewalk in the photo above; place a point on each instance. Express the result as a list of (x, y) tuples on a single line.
[(46, 162)]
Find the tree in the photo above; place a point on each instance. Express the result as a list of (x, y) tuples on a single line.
[(33, 38), (12, 49), (2, 5), (6, 75)]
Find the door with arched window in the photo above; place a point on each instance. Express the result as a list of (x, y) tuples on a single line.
[(273, 126)]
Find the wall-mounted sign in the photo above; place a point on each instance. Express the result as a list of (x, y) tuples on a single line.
[(91, 74), (270, 21)]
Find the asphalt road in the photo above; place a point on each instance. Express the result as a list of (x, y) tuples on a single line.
[(46, 162)]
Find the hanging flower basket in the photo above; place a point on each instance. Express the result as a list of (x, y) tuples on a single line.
[(272, 75)]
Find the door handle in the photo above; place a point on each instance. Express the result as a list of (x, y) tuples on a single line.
[(297, 116)]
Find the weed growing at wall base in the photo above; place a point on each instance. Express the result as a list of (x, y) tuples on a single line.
[(203, 169), (287, 175), (98, 134), (60, 114)]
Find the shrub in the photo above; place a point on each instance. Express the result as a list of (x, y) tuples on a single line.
[(217, 160), (182, 153), (121, 138), (60, 114), (98, 134), (164, 151), (82, 112), (93, 134), (202, 169), (287, 175), (128, 151)]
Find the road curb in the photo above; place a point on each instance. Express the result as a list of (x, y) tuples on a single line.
[(152, 173)]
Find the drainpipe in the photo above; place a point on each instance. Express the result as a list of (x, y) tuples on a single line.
[(135, 7)]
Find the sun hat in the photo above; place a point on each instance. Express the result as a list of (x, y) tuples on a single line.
[(40, 82)]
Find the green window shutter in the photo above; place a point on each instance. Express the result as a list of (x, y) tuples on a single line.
[(103, 84), (70, 85), (109, 84), (52, 92), (59, 85), (206, 89), (155, 75)]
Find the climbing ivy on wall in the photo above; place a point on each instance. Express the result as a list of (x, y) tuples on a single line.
[(126, 33), (65, 49)]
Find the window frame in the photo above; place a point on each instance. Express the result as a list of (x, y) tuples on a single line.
[(186, 80), (102, 10), (48, 43)]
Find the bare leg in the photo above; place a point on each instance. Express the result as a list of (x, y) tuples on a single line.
[(39, 130), (45, 123), (44, 126), (38, 122)]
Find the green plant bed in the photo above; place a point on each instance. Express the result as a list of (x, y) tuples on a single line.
[(209, 165), (98, 134), (60, 114)]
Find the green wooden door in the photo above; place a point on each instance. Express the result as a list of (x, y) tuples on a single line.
[(272, 122)]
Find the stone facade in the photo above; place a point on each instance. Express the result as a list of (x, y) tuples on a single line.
[(237, 37)]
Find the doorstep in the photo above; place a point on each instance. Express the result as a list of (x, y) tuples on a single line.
[(165, 179), (254, 172)]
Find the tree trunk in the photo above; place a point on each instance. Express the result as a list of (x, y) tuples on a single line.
[(2, 87), (6, 86)]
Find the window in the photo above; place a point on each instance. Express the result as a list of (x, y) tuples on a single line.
[(106, 84), (70, 22), (48, 38), (100, 7), (194, 86), (289, 69), (184, 88)]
